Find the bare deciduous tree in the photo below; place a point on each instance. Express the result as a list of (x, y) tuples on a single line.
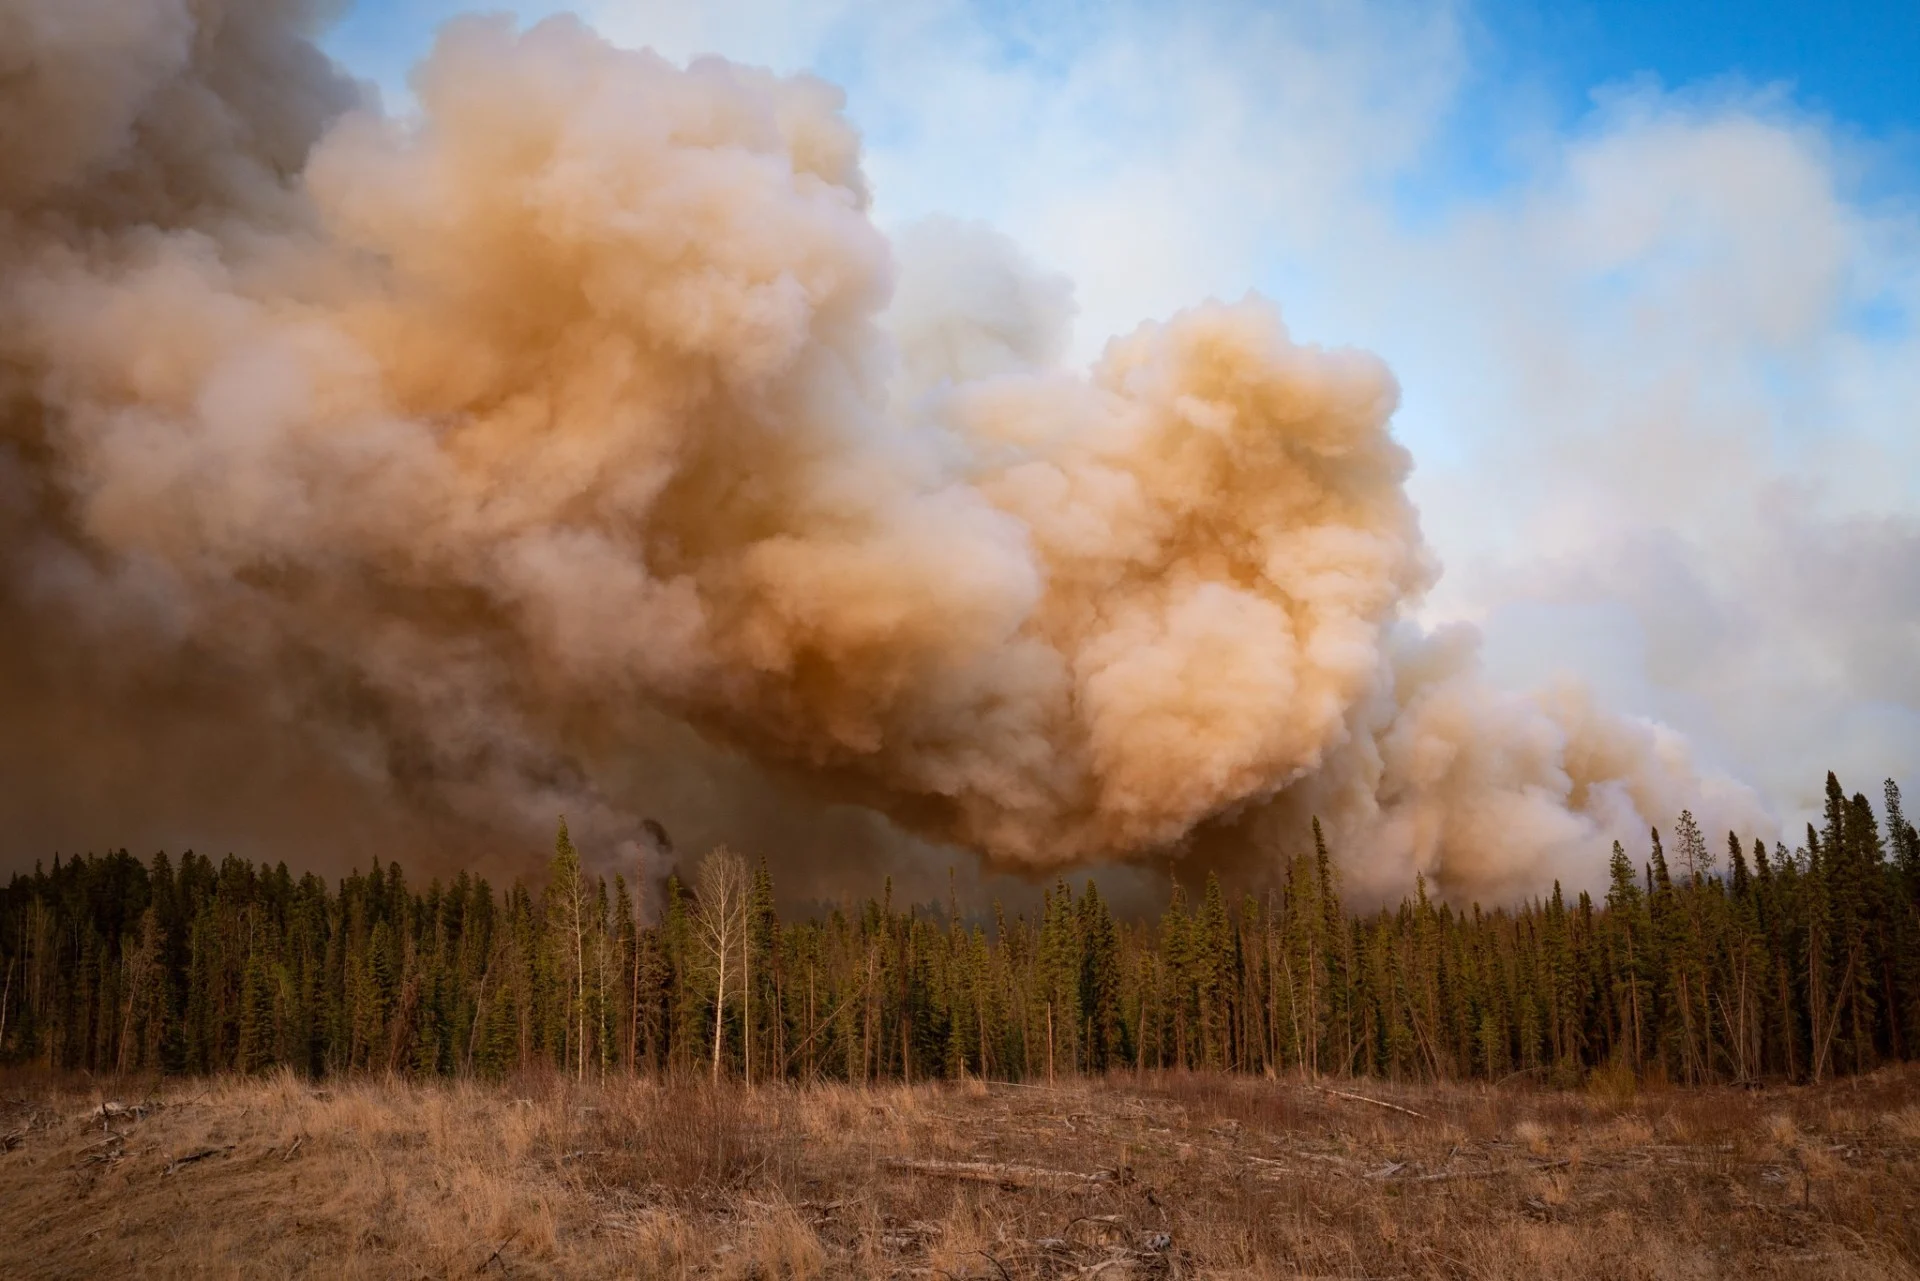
[(721, 918)]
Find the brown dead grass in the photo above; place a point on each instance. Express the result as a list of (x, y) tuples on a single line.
[(1170, 1176)]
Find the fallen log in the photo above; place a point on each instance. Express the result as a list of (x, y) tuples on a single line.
[(192, 1157), (496, 1254), (1379, 1103), (1448, 1176), (1000, 1173)]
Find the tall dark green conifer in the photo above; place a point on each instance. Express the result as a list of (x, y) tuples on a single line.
[(1796, 966), (1100, 983)]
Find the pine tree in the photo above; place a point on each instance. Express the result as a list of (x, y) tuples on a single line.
[(1695, 857), (1561, 994), (1336, 958), (1100, 983), (566, 950), (1057, 978), (258, 1033), (1178, 962), (1628, 937), (761, 973), (1213, 973), (1903, 921), (1742, 883), (1795, 966)]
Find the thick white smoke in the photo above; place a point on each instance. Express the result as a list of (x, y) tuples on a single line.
[(484, 443)]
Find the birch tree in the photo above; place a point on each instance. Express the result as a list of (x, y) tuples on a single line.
[(720, 917)]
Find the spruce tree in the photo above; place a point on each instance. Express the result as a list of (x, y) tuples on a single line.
[(566, 951), (1100, 983)]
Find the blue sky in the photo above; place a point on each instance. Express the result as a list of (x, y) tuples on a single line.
[(1647, 273), (1853, 65), (1855, 61)]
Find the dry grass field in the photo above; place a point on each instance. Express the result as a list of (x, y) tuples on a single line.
[(1175, 1176)]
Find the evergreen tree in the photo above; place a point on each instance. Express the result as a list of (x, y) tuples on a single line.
[(1058, 978), (1100, 983), (1797, 966), (565, 955)]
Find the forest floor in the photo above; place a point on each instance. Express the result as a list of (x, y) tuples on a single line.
[(1164, 1176)]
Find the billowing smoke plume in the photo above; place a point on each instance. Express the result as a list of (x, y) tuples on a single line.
[(492, 448)]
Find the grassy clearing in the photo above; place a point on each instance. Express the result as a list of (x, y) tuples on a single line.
[(1175, 1175)]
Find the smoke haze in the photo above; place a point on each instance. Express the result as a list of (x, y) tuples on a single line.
[(390, 484)]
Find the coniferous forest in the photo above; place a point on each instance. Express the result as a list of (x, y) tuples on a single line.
[(1703, 961)]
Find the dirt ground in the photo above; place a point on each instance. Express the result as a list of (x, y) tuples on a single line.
[(1167, 1176)]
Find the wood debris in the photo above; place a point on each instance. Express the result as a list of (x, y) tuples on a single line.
[(1002, 1174)]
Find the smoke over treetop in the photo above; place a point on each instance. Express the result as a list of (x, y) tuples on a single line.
[(479, 441)]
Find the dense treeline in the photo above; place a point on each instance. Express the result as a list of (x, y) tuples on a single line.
[(1791, 964)]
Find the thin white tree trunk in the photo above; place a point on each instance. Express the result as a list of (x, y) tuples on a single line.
[(719, 1010), (746, 1002), (580, 970)]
